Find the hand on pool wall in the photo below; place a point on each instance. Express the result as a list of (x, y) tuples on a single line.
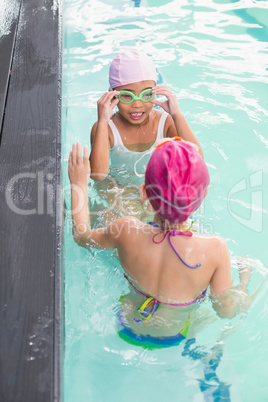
[(84, 236), (79, 172), (79, 167)]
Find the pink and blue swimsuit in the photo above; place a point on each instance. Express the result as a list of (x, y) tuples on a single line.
[(150, 305)]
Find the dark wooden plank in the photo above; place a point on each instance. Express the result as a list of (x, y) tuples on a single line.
[(30, 223), (7, 40)]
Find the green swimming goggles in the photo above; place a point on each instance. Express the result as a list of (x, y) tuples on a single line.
[(128, 97)]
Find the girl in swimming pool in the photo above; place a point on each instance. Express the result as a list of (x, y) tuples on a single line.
[(168, 266), (126, 136), (123, 142)]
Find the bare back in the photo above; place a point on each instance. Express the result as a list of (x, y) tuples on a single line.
[(156, 270)]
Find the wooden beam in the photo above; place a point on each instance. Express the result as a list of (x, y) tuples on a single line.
[(30, 218), (8, 32)]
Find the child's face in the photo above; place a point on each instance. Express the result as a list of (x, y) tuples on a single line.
[(136, 112)]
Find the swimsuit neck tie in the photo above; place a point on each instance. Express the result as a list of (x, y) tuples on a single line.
[(175, 232)]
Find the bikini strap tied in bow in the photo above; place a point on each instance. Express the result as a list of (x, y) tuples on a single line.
[(175, 232)]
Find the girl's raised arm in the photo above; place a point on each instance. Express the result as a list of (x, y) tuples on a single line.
[(100, 143), (79, 171)]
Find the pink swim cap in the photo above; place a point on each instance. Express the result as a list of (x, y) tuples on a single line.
[(131, 66), (176, 180)]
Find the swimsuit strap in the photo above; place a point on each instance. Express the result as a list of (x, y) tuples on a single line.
[(143, 310), (137, 290), (156, 225), (190, 229), (117, 137), (200, 297), (170, 233), (161, 126)]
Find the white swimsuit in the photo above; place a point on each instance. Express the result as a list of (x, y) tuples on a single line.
[(128, 167)]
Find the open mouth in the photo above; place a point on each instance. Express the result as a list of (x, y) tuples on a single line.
[(136, 116)]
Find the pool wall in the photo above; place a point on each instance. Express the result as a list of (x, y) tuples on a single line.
[(30, 201)]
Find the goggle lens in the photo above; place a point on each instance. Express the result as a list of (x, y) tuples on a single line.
[(128, 97)]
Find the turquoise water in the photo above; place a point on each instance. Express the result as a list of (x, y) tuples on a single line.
[(215, 58)]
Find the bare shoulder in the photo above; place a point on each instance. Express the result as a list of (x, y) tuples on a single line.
[(124, 227), (214, 246), (116, 119), (157, 113), (94, 130), (217, 241), (220, 244), (170, 129)]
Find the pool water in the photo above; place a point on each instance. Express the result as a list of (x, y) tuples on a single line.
[(213, 55)]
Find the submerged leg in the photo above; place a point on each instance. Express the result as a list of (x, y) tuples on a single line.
[(212, 388)]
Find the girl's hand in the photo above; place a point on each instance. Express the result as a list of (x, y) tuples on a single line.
[(106, 104), (171, 105), (79, 167)]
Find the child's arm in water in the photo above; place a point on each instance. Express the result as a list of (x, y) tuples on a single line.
[(100, 143), (79, 172), (171, 106), (228, 300)]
